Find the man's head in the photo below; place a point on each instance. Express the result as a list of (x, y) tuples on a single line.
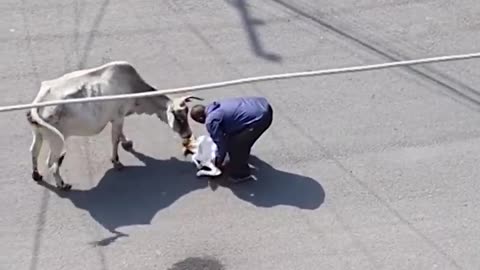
[(198, 113)]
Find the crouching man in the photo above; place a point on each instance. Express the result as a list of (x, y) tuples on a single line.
[(235, 124)]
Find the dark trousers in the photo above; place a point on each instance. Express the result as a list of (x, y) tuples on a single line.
[(240, 145)]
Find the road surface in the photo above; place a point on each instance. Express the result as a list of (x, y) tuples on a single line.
[(372, 170)]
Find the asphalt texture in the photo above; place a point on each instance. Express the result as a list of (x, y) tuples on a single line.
[(371, 170)]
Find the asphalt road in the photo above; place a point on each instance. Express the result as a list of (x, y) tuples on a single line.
[(373, 170)]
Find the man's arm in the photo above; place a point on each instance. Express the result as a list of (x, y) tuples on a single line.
[(216, 133)]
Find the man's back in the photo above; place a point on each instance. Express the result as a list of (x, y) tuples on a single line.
[(237, 113)]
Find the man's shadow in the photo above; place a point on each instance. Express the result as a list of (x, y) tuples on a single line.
[(274, 187), (135, 194)]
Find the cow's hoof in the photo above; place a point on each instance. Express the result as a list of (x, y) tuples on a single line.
[(65, 187), (127, 145), (118, 166), (37, 177)]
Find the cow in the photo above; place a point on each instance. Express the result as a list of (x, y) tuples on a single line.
[(58, 122)]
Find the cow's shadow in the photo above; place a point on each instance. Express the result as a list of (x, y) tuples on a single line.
[(275, 187), (135, 194)]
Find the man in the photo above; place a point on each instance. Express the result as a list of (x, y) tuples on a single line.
[(235, 124)]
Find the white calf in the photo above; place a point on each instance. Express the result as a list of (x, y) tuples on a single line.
[(203, 150)]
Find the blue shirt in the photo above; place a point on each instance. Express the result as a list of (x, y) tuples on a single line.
[(229, 116)]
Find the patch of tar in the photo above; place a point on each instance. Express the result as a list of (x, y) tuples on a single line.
[(196, 263)]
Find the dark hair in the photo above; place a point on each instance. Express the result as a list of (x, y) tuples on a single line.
[(197, 112)]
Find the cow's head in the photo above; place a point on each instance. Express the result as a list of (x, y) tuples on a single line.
[(177, 117)]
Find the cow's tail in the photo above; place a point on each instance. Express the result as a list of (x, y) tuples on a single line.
[(36, 120)]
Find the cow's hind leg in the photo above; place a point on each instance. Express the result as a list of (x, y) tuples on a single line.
[(55, 160), (117, 135), (127, 144), (35, 152)]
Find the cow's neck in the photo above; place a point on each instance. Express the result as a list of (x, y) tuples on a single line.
[(162, 113), (156, 105)]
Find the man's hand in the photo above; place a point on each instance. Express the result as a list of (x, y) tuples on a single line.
[(219, 163)]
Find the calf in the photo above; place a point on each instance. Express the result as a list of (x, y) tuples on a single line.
[(203, 151), (56, 123)]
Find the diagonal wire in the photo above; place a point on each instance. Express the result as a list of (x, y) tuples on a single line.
[(247, 80)]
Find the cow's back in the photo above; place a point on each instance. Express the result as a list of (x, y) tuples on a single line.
[(113, 78), (89, 118)]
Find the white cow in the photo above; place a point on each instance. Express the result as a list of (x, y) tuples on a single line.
[(56, 123)]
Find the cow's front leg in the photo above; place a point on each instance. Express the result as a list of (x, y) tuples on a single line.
[(117, 133)]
